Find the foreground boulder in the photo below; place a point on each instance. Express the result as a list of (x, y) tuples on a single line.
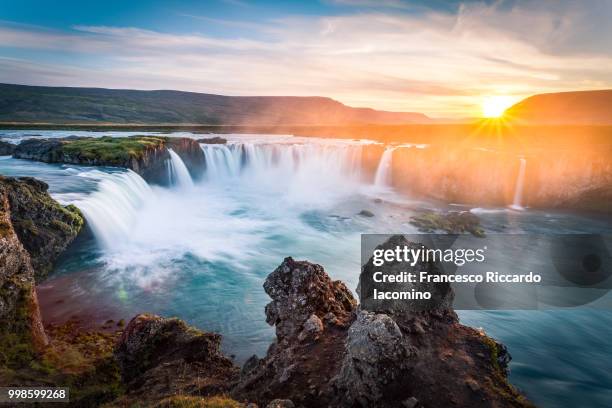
[(303, 296), (146, 155), (329, 353), (312, 314), (161, 357)]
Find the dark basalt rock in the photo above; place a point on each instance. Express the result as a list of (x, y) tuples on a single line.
[(300, 290), (376, 355), (442, 295), (213, 140), (43, 226), (312, 314), (6, 148), (162, 357), (190, 152), (329, 354)]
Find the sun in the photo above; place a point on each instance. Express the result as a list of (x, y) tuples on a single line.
[(495, 106)]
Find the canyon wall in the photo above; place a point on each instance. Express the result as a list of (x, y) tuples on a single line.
[(578, 179)]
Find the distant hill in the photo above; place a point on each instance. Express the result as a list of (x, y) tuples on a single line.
[(41, 104), (580, 108)]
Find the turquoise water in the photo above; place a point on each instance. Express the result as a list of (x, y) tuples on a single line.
[(202, 253)]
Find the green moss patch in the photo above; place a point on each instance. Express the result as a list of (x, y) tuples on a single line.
[(111, 149), (76, 358), (452, 222)]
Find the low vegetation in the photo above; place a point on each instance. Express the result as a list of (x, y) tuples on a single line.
[(111, 149), (182, 401), (75, 357), (452, 222)]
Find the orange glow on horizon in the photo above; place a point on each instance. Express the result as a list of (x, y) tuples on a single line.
[(495, 106)]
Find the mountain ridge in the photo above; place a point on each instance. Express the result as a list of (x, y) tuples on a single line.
[(69, 105), (564, 108)]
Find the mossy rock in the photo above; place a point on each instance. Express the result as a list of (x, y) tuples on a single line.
[(111, 149), (452, 223)]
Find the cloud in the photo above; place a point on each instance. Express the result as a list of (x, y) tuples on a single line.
[(438, 62)]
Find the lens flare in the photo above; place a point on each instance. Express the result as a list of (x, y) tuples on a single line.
[(495, 106)]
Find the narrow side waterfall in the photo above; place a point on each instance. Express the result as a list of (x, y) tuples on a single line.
[(112, 210), (518, 189), (179, 175), (384, 171)]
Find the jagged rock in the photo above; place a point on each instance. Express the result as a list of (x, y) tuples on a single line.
[(376, 355), (403, 359), (160, 357), (280, 403), (43, 226), (417, 313), (312, 328), (6, 148), (213, 140), (312, 314), (301, 289), (251, 364), (20, 322)]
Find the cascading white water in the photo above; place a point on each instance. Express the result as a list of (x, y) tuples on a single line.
[(305, 173), (518, 189), (179, 174), (383, 177), (222, 161), (112, 210)]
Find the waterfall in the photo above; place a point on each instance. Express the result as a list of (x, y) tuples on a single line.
[(306, 173), (518, 189), (112, 209), (222, 161), (179, 175), (384, 171), (287, 161)]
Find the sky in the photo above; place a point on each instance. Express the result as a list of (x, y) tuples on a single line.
[(441, 58)]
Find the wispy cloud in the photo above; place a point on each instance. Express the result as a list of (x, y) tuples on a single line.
[(440, 63)]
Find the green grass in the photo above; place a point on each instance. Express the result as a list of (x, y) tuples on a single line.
[(181, 401), (112, 149)]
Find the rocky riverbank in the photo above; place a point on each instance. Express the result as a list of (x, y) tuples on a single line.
[(34, 230), (327, 352), (146, 155)]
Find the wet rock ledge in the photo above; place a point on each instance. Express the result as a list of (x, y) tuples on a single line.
[(146, 155)]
